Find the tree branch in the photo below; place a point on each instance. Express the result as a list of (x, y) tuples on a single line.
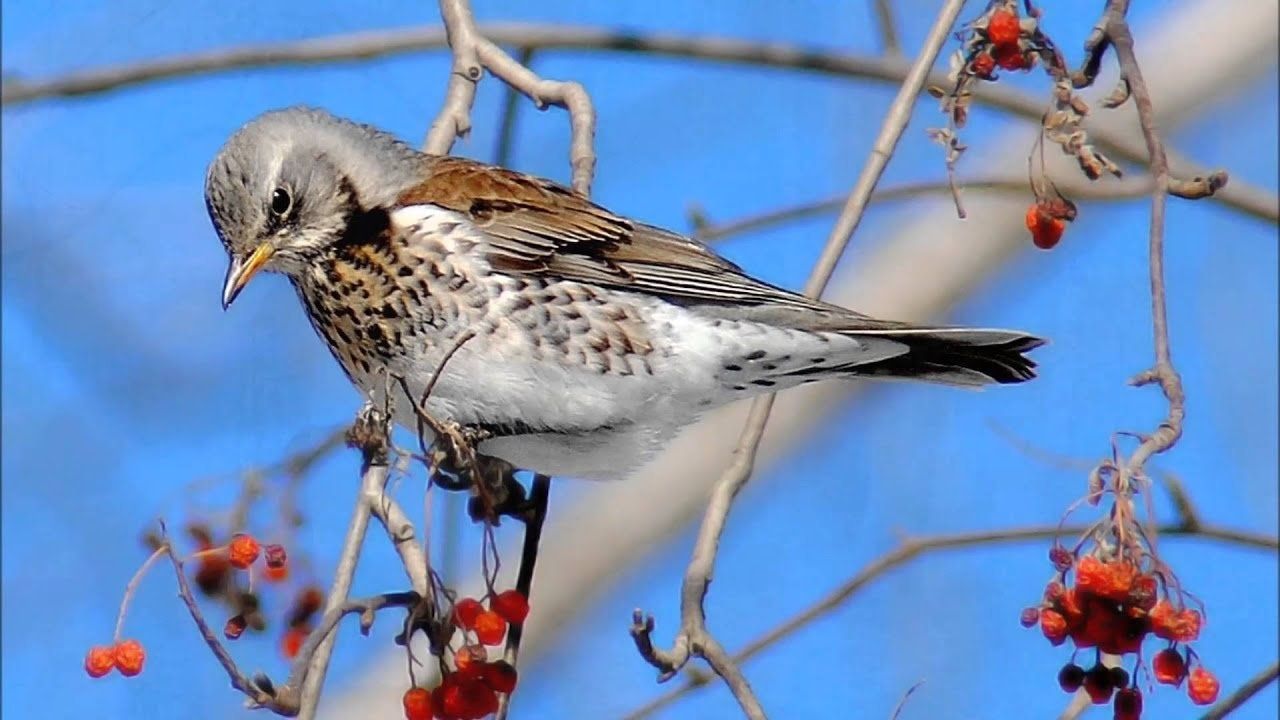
[(912, 549), (472, 53), (378, 44), (539, 498), (694, 638)]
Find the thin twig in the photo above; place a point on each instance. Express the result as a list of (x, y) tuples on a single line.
[(472, 54), (1242, 695), (371, 434), (510, 115), (890, 44), (539, 497), (694, 638), (912, 549), (257, 696), (377, 44), (1109, 192)]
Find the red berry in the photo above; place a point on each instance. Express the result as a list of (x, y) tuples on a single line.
[(276, 557), (309, 600), (417, 704), (1003, 28), (437, 700), (1169, 667), (1054, 626), (477, 699), (1090, 572), (100, 660), (1030, 616), (983, 65), (1097, 682), (511, 605), (1162, 617), (490, 628), (1128, 704), (1071, 677), (465, 612), (1010, 57), (276, 574), (1046, 231), (1061, 558), (211, 573), (1186, 625), (500, 676), (292, 641), (129, 657), (235, 627), (1202, 686), (243, 550)]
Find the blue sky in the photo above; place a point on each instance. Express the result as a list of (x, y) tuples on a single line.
[(123, 379)]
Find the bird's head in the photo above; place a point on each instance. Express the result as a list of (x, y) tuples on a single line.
[(292, 183)]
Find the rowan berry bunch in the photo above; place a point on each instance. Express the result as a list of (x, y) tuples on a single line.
[(470, 682), (225, 572), (1008, 36), (1109, 595)]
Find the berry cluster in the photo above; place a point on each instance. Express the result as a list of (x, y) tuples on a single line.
[(470, 690), (1114, 605), (1008, 43), (127, 656)]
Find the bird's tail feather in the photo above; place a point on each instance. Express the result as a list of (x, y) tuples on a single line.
[(953, 356)]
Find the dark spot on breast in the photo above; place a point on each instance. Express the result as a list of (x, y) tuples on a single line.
[(755, 355), (388, 312), (733, 368), (764, 383), (404, 271)]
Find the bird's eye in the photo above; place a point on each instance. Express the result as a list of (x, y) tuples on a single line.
[(280, 201)]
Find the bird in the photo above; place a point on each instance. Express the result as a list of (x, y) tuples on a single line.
[(577, 340)]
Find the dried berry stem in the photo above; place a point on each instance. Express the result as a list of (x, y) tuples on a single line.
[(132, 588)]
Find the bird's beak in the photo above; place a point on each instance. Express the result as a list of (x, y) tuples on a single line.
[(240, 271)]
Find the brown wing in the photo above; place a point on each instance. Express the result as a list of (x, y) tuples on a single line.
[(536, 227)]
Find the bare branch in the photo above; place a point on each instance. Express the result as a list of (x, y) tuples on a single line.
[(890, 43), (912, 549), (472, 53), (371, 45), (1123, 190), (694, 638), (371, 434)]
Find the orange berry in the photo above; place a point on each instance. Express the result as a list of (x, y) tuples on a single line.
[(276, 556), (1046, 231), (1169, 667), (1054, 626), (469, 659), (1090, 572), (276, 573), (490, 627), (465, 612), (1003, 28), (1010, 57), (1118, 578), (417, 704), (293, 639), (243, 550), (983, 65), (1186, 625), (511, 605), (1162, 619), (100, 660), (1202, 686), (500, 676), (129, 657)]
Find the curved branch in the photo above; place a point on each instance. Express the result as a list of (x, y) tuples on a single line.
[(386, 43), (912, 549)]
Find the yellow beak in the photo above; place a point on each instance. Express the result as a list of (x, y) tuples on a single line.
[(241, 271)]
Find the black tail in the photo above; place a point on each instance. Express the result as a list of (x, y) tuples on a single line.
[(955, 356)]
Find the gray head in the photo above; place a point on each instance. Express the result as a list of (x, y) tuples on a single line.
[(293, 182)]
